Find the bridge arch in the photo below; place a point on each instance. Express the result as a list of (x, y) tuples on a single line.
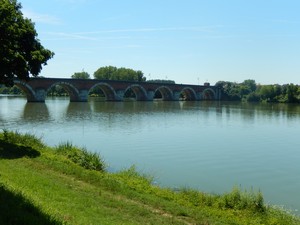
[(108, 90), (166, 93), (27, 89), (208, 94), (71, 89), (139, 91), (188, 94)]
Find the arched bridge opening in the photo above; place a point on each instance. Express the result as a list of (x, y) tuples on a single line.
[(187, 94), (107, 90), (208, 94), (136, 92), (163, 93), (63, 89)]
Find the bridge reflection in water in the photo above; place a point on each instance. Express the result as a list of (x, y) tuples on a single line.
[(36, 89)]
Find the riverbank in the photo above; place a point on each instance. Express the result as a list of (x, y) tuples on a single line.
[(67, 185)]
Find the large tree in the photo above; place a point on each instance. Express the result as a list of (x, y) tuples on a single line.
[(114, 73), (21, 53)]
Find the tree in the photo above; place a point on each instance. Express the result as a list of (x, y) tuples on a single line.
[(161, 81), (250, 84), (230, 90), (21, 53), (114, 73), (292, 93), (81, 75), (105, 73)]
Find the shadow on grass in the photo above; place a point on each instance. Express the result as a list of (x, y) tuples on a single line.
[(16, 210), (13, 151)]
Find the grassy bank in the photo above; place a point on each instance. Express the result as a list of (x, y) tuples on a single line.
[(68, 185)]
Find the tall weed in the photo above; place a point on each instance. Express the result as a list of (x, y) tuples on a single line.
[(237, 199), (30, 140), (82, 157)]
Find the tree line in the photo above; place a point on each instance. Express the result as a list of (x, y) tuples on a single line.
[(112, 73), (250, 91)]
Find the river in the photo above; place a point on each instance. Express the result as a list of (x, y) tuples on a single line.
[(210, 146)]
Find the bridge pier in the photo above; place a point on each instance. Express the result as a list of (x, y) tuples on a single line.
[(38, 96), (198, 96), (119, 95), (176, 96), (82, 96), (150, 95)]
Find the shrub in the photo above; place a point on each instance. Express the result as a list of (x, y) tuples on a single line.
[(26, 139), (80, 156), (239, 200)]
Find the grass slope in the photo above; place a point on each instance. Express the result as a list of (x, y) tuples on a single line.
[(68, 185)]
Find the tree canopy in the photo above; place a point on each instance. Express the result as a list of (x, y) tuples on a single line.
[(114, 73), (161, 81), (21, 53), (249, 91), (81, 75)]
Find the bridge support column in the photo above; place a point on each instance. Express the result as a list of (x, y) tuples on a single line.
[(218, 94), (150, 95), (39, 96), (120, 95), (176, 96), (198, 96), (82, 96)]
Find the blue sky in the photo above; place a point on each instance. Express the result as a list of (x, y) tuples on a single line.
[(189, 41)]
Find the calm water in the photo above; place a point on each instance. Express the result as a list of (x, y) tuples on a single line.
[(211, 146)]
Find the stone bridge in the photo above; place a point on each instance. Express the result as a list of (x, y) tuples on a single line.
[(36, 89)]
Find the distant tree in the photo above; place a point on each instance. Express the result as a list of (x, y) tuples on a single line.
[(57, 90), (230, 90), (10, 90), (81, 75), (21, 53), (114, 73), (253, 97), (105, 73), (267, 92), (292, 93), (161, 81), (250, 84), (140, 76)]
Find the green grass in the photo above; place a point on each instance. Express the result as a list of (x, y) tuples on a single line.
[(68, 185)]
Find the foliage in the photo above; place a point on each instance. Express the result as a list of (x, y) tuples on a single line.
[(81, 156), (81, 75), (96, 92), (161, 81), (57, 90), (14, 90), (237, 199), (13, 146), (26, 139), (114, 73), (21, 53), (252, 92)]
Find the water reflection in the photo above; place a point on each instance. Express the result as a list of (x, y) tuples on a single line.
[(35, 112), (78, 110)]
